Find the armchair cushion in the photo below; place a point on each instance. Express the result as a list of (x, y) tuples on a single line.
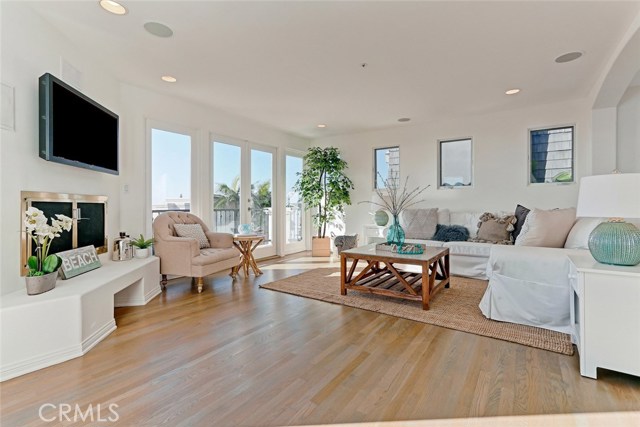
[(193, 231)]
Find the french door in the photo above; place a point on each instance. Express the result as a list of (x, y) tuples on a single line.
[(244, 190), (294, 217)]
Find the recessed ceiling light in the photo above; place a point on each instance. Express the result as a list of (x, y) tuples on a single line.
[(158, 29), (404, 119), (113, 7), (322, 125), (512, 91), (169, 79), (568, 57)]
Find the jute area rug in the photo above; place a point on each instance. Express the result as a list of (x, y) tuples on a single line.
[(453, 308)]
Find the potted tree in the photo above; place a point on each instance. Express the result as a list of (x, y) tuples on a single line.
[(323, 186)]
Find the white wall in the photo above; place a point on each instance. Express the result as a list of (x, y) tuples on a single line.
[(628, 131), (142, 106), (31, 47), (500, 152)]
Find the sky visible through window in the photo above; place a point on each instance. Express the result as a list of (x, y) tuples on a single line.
[(171, 170)]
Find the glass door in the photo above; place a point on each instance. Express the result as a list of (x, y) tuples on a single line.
[(260, 204), (244, 190), (294, 210), (227, 178)]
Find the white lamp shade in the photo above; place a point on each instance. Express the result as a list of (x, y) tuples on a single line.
[(611, 196)]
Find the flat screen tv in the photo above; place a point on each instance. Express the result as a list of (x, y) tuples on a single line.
[(74, 129)]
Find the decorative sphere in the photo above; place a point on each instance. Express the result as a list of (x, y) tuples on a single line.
[(381, 218)]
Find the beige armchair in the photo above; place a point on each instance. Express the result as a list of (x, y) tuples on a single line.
[(183, 256)]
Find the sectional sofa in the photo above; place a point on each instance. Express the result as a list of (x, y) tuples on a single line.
[(529, 278)]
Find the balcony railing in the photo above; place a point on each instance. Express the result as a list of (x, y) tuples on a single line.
[(228, 220)]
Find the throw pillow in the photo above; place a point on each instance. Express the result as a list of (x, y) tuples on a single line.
[(547, 228), (578, 237), (419, 223), (451, 233), (495, 229), (521, 214), (193, 231)]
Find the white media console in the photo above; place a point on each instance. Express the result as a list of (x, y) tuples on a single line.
[(66, 322)]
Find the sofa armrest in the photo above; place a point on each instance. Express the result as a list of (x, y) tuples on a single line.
[(177, 245), (220, 240)]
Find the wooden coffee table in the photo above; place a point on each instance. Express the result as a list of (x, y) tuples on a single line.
[(395, 282)]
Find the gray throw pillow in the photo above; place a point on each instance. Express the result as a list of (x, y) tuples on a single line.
[(521, 214), (419, 223)]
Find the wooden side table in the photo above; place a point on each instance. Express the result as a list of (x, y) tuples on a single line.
[(246, 244)]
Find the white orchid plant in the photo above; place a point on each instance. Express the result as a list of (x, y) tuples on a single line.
[(42, 233)]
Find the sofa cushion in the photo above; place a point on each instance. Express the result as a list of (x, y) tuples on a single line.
[(451, 233), (547, 228), (444, 216), (193, 231), (419, 223), (521, 214), (578, 237), (468, 220), (211, 255), (495, 229), (469, 248)]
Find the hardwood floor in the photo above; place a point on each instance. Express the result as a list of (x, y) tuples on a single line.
[(237, 355)]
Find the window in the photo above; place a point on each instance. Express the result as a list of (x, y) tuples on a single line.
[(455, 163), (387, 166), (551, 155), (170, 171)]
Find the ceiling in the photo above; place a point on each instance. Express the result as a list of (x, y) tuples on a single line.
[(292, 65)]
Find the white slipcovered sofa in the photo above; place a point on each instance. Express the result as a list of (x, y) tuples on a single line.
[(527, 284)]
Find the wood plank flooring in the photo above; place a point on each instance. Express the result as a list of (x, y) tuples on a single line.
[(237, 355)]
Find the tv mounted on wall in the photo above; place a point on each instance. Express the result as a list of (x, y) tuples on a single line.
[(74, 129)]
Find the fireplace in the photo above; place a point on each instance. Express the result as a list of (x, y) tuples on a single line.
[(89, 214)]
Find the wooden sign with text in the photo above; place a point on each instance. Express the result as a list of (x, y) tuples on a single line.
[(78, 261)]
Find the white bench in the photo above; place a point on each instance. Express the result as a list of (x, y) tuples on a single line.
[(66, 322)]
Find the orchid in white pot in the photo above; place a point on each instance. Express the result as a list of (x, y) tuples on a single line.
[(42, 233)]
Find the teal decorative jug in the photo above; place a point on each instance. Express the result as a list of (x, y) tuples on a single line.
[(395, 234)]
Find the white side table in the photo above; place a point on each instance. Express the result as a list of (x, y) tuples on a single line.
[(605, 313), (373, 233)]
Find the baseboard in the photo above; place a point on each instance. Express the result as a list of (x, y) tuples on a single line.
[(98, 336), (39, 362), (132, 302)]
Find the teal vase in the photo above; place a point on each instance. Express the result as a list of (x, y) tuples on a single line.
[(616, 243), (381, 218), (395, 233)]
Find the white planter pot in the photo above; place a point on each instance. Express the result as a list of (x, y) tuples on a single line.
[(141, 253)]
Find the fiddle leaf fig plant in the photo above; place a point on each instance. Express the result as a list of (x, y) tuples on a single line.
[(323, 185)]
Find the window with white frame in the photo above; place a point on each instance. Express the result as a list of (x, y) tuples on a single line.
[(455, 163), (170, 171), (386, 167), (551, 155)]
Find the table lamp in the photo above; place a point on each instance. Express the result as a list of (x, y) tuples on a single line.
[(614, 196)]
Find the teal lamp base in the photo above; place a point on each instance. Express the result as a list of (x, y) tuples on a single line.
[(615, 243)]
